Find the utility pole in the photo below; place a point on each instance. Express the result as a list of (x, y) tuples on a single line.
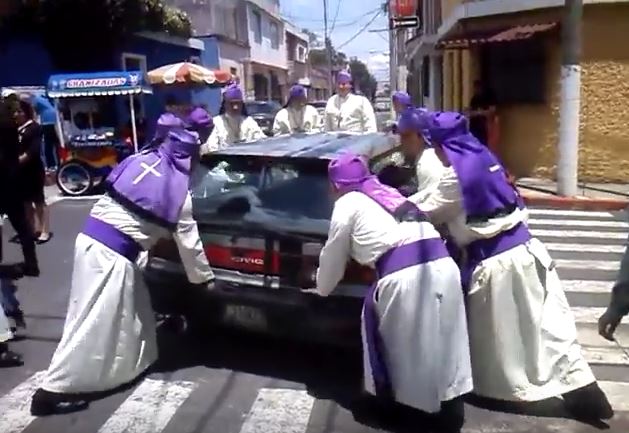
[(393, 69), (328, 48), (570, 105)]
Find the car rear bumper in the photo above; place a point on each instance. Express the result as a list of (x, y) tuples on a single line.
[(287, 312)]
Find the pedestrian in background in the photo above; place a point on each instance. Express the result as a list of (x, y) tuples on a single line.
[(48, 120), (31, 172)]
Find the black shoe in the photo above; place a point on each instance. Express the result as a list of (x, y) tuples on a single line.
[(46, 403), (588, 403), (451, 417), (30, 270), (10, 359)]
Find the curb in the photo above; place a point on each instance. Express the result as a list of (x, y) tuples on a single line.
[(575, 203)]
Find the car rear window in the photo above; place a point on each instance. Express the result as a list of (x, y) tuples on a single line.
[(287, 195), (263, 108)]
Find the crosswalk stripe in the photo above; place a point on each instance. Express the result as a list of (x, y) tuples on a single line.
[(599, 265), (149, 408), (570, 213), (617, 393), (578, 234), (587, 286), (15, 407), (279, 411), (588, 248), (579, 223), (591, 314), (604, 355)]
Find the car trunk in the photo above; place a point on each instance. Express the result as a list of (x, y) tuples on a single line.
[(267, 236)]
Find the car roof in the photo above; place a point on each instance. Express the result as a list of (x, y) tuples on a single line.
[(326, 145)]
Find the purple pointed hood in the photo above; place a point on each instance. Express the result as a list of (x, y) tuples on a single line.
[(349, 172), (402, 98), (165, 123), (154, 183), (344, 77), (416, 120), (484, 183), (200, 121)]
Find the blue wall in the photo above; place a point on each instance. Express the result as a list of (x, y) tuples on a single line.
[(25, 62), (209, 59)]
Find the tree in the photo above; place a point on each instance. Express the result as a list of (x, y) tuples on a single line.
[(82, 35), (362, 78)]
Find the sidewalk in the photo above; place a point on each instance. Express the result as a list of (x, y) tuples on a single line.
[(592, 196)]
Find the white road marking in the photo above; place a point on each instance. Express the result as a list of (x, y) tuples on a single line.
[(587, 286), (604, 355), (585, 248), (570, 213), (578, 234), (149, 408), (279, 411), (617, 393), (591, 314), (579, 223), (15, 407), (599, 265)]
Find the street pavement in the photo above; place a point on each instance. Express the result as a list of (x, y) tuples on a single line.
[(241, 383)]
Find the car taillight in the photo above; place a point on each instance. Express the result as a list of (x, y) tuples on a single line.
[(166, 249), (354, 272)]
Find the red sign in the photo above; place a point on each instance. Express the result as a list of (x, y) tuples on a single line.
[(403, 8)]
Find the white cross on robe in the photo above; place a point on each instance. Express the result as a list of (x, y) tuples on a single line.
[(148, 169)]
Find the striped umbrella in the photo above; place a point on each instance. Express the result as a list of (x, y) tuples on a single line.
[(188, 73)]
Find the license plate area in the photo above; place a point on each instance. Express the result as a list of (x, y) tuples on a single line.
[(246, 317)]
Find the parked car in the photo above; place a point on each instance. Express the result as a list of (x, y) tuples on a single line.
[(263, 112), (320, 106), (263, 212)]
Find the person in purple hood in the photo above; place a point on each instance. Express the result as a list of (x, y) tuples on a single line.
[(297, 116), (523, 337), (347, 111), (401, 102), (415, 342), (233, 124), (109, 333)]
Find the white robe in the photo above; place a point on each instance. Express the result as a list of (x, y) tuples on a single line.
[(353, 113), (429, 169), (420, 309), (109, 336), (229, 130), (5, 327), (523, 337), (289, 120)]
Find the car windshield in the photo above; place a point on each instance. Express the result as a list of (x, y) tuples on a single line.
[(262, 108), (268, 193)]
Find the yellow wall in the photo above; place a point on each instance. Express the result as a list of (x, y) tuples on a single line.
[(529, 133)]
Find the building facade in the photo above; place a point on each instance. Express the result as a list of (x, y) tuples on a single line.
[(514, 49), (267, 65), (297, 55)]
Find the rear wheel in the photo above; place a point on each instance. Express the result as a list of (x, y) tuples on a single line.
[(74, 178)]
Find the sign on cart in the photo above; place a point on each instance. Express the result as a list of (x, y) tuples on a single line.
[(246, 317)]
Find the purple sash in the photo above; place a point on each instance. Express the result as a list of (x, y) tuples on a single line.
[(483, 249), (396, 259), (112, 238)]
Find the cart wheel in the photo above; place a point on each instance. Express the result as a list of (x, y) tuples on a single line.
[(74, 178)]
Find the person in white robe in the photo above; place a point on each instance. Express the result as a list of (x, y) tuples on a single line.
[(298, 115), (415, 342), (109, 335), (347, 111), (523, 337), (233, 124)]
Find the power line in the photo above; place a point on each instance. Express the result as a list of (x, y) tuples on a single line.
[(336, 15), (348, 21), (361, 30)]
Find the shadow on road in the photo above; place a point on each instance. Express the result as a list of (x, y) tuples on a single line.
[(329, 373)]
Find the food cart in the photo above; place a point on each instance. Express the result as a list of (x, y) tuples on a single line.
[(91, 142)]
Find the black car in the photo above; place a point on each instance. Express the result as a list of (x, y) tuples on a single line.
[(263, 213), (263, 112)]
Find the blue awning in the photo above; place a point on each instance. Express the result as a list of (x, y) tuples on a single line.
[(97, 84)]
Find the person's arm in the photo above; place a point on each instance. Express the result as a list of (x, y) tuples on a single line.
[(335, 253), (444, 200), (252, 130), (369, 117), (215, 140), (315, 119), (190, 247), (33, 140), (279, 123), (329, 124)]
